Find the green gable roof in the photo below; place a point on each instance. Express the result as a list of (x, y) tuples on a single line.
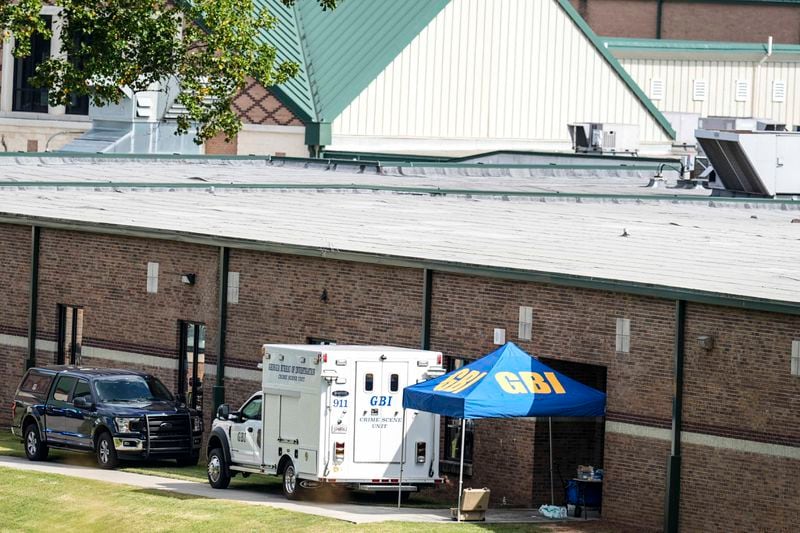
[(285, 37), (341, 51)]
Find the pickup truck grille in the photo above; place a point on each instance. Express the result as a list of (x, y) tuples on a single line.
[(169, 433)]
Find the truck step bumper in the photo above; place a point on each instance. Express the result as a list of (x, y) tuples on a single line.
[(386, 488)]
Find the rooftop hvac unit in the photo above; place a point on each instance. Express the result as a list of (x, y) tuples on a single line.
[(684, 125), (728, 123), (604, 138), (757, 163), (770, 125), (740, 124)]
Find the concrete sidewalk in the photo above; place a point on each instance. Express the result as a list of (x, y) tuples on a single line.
[(359, 514)]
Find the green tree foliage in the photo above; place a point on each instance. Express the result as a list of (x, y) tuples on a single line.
[(208, 47)]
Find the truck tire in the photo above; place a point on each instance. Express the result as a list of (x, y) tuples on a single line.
[(35, 449), (291, 483), (219, 477), (105, 451), (188, 460)]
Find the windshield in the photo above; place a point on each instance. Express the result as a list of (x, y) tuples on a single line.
[(131, 389)]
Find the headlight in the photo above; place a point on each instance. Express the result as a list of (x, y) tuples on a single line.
[(197, 424), (128, 425)]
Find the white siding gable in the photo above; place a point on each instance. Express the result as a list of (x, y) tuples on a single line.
[(494, 71)]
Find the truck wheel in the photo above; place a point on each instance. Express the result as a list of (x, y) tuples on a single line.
[(106, 453), (188, 460), (35, 449), (218, 475), (291, 483)]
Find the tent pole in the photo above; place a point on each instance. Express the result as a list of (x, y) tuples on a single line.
[(550, 434), (461, 467), (402, 453)]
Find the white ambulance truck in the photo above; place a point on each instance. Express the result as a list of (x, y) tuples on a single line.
[(331, 414)]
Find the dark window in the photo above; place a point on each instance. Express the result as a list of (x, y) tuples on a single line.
[(319, 340), (70, 335), (368, 381), (452, 428), (252, 411), (82, 390), (452, 440), (78, 105), (394, 382), (192, 361), (36, 383), (62, 391), (26, 96)]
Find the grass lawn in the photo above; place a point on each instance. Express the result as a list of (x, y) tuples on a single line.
[(9, 445), (32, 501)]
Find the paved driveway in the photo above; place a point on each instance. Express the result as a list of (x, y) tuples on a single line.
[(359, 514)]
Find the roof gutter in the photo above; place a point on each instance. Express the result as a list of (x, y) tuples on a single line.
[(469, 269)]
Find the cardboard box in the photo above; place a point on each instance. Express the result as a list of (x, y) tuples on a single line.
[(475, 500), (468, 516)]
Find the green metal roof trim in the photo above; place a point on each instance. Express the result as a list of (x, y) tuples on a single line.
[(621, 72), (417, 158), (619, 43), (341, 51)]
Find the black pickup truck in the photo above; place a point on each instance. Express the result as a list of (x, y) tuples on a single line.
[(115, 414)]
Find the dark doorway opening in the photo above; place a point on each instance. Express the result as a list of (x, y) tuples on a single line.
[(70, 335), (576, 441), (191, 363)]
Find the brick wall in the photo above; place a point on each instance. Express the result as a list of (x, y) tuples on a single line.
[(280, 302), (217, 145), (12, 366), (257, 105), (741, 388), (15, 247), (634, 482), (682, 19), (107, 275), (15, 252), (724, 490)]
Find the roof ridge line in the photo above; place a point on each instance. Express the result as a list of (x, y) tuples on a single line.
[(299, 27)]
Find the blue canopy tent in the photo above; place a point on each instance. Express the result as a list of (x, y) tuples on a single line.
[(506, 383)]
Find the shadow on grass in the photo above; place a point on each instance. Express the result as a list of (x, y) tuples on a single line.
[(169, 494)]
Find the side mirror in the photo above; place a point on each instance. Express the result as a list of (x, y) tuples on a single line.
[(82, 403), (223, 411)]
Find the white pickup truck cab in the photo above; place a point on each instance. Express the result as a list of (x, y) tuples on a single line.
[(331, 414)]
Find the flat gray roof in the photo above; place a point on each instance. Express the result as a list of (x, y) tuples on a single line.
[(664, 242)]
